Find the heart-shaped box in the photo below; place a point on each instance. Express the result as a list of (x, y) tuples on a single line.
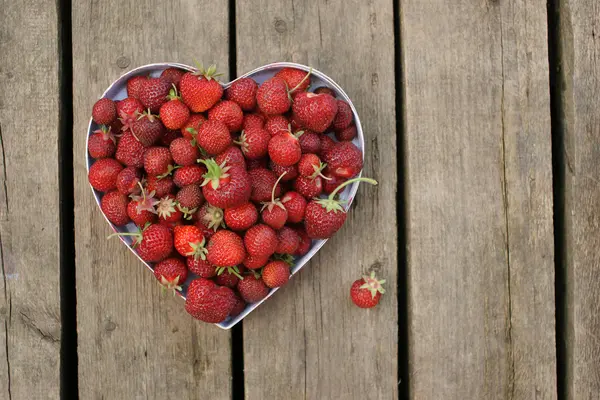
[(118, 90)]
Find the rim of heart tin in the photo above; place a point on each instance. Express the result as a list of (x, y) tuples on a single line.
[(117, 91)]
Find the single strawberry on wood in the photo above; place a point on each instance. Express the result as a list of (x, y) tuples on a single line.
[(366, 292)]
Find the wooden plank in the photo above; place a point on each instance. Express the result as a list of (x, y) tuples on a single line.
[(132, 342), (312, 340), (480, 260), (30, 327), (580, 84)]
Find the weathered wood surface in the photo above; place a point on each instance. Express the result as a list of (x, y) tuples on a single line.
[(132, 343), (580, 58), (30, 328), (312, 341), (479, 194)]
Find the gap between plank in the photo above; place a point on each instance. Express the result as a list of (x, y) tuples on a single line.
[(401, 214), (237, 332), (558, 181), (68, 312)]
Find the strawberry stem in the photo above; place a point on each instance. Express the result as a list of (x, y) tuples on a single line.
[(302, 81), (348, 182), (275, 186)]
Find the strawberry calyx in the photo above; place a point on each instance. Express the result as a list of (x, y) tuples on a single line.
[(318, 171), (173, 95), (127, 119), (145, 201), (198, 250), (166, 207), (147, 114), (331, 204), (169, 171), (187, 212), (213, 219), (287, 258), (232, 270), (209, 73), (274, 202), (373, 285), (242, 142), (170, 285), (214, 172), (137, 236), (107, 134)]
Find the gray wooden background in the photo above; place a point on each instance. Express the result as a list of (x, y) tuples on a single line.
[(482, 124)]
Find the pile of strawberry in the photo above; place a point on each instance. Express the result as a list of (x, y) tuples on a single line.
[(224, 184)]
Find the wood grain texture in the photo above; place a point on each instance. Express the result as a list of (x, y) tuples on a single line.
[(133, 343), (479, 195), (30, 326), (580, 79), (312, 340)]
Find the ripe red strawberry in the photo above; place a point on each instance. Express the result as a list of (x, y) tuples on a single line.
[(253, 120), (272, 96), (103, 174), (330, 184), (201, 267), (173, 76), (225, 249), (243, 92), (228, 277), (297, 80), (147, 129), (114, 206), (134, 85), (295, 205), (284, 149), (167, 209), (210, 217), (325, 90), (288, 241), (104, 111), (262, 183), (209, 302), (276, 273), (291, 172), (213, 136), (102, 143), (252, 288), (153, 93), (226, 186), (129, 151), (158, 161), (295, 123), (344, 116), (309, 187), (128, 181), (252, 262), (153, 244), (260, 240), (199, 90), (232, 156), (239, 306), (367, 291), (229, 113), (190, 129), (324, 217), (255, 164), (129, 110), (310, 142), (142, 208), (188, 175), (168, 137), (241, 217), (189, 198), (344, 160), (305, 241), (327, 144), (189, 241), (183, 152), (160, 186), (254, 143), (171, 273), (347, 134), (174, 113), (277, 124), (310, 165), (273, 213), (315, 111)]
